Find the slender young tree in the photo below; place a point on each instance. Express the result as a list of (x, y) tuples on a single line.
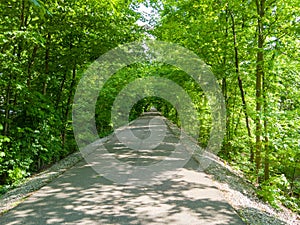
[(260, 7)]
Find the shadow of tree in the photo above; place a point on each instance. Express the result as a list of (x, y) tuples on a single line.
[(81, 196), (224, 174)]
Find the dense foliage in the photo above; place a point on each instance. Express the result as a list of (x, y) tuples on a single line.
[(253, 49), (251, 46), (44, 48)]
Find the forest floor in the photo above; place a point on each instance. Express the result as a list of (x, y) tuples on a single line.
[(78, 194)]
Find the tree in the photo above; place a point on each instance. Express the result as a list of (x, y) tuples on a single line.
[(259, 60), (44, 48)]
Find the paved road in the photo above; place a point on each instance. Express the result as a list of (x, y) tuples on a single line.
[(82, 196)]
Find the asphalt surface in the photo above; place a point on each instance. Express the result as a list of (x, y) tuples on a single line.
[(84, 195)]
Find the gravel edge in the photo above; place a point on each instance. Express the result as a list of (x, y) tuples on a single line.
[(241, 194), (15, 196), (237, 191)]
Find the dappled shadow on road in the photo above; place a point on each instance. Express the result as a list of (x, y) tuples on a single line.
[(81, 196), (143, 155)]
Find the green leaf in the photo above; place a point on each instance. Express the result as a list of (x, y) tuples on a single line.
[(41, 7)]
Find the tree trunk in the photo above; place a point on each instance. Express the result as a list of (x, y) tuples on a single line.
[(30, 63), (260, 5), (12, 79), (225, 92), (22, 26), (266, 137), (267, 159), (68, 106), (240, 83), (7, 104), (62, 85), (47, 59)]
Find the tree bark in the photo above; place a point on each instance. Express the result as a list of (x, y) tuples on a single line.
[(224, 87), (260, 6), (240, 83), (62, 85), (266, 137), (69, 102), (30, 63), (47, 59), (7, 97)]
